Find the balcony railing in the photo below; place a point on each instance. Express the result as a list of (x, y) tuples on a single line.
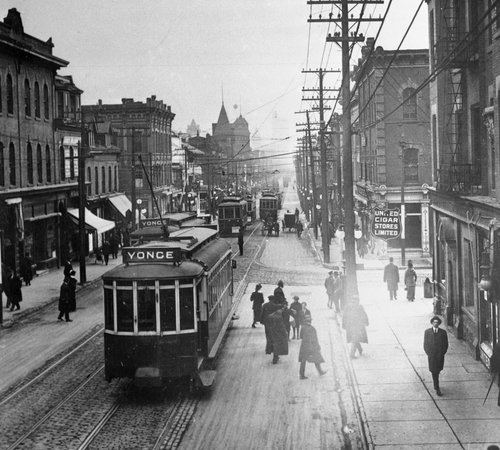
[(460, 178)]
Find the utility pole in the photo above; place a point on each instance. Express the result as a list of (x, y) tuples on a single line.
[(82, 150), (324, 182), (132, 180), (345, 40), (313, 178)]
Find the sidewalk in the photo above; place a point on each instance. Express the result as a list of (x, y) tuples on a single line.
[(44, 289)]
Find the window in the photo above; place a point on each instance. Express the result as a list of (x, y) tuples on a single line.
[(89, 179), (146, 308), (186, 308), (96, 180), (37, 100), (10, 95), (109, 310), (29, 156), (167, 307), (410, 161), (60, 105), (110, 180), (27, 98), (39, 163), (48, 164), (12, 164), (62, 163), (469, 283), (45, 101), (71, 163), (125, 306), (116, 178), (2, 164), (103, 179), (409, 104)]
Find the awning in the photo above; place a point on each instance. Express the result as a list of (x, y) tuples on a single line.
[(92, 222), (121, 203)]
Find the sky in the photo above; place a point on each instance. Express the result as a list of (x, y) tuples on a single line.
[(194, 54)]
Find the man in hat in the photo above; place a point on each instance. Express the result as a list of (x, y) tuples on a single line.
[(257, 299), (391, 277), (435, 347)]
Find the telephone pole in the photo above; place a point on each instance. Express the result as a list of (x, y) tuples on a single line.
[(82, 153), (345, 39)]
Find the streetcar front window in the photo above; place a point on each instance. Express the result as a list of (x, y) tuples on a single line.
[(167, 307), (228, 213), (108, 308), (125, 306), (186, 308), (146, 310)]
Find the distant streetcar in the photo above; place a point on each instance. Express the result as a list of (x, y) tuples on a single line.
[(232, 215), (167, 307)]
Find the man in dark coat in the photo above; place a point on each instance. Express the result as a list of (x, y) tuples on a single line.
[(279, 295), (435, 347), (6, 279), (296, 307), (272, 327), (72, 282), (240, 240), (16, 295), (278, 338), (310, 350), (106, 251), (391, 277), (257, 299), (495, 366), (354, 322), (64, 301), (26, 269)]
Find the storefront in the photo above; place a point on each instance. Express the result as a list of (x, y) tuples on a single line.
[(95, 227)]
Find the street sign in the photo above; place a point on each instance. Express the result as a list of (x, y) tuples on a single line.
[(386, 223)]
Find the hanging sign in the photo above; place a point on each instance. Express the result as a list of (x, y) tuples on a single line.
[(386, 223)]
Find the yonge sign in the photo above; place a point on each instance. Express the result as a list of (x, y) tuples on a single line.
[(386, 223), (150, 255)]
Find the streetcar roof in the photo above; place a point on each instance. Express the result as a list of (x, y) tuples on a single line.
[(154, 271)]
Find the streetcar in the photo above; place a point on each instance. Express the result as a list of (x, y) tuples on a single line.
[(167, 307), (232, 215), (268, 206)]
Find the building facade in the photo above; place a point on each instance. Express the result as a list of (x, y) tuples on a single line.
[(465, 198), (392, 147)]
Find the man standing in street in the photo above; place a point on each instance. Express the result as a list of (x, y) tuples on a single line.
[(391, 277), (435, 347)]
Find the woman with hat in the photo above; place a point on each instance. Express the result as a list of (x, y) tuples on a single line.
[(435, 347), (310, 350), (257, 299)]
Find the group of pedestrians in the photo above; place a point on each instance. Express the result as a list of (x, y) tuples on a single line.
[(109, 248), (67, 294), (279, 319), (391, 277), (12, 281)]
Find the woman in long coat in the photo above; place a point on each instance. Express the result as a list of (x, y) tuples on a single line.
[(277, 343), (354, 322), (310, 350), (257, 299), (410, 282)]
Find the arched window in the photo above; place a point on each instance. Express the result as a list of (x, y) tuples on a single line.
[(409, 104), (96, 180), (10, 95), (116, 178), (110, 180), (62, 163), (12, 164), (48, 164), (37, 100), (89, 180), (39, 163), (27, 98), (103, 175), (2, 166), (410, 160), (72, 163), (29, 157), (45, 101)]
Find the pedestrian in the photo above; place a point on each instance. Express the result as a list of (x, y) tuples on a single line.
[(106, 251), (6, 283), (278, 340), (98, 255), (257, 299), (310, 350), (276, 228), (267, 309), (64, 301), (26, 269), (495, 367), (300, 228), (113, 242), (240, 240), (410, 282), (72, 282), (287, 318), (16, 294), (296, 307), (391, 277), (303, 313), (435, 347), (354, 322), (279, 295), (67, 267), (330, 288)]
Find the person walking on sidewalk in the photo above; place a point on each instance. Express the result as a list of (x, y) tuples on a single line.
[(279, 295), (257, 299), (106, 251), (391, 277), (310, 350), (495, 367), (435, 347), (296, 307), (330, 288), (72, 282), (6, 283), (278, 339), (64, 301), (240, 240), (26, 269), (410, 281), (16, 294), (354, 322)]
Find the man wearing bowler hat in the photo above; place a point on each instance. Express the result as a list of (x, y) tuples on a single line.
[(435, 346)]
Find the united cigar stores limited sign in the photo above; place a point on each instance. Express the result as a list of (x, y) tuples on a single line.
[(150, 255), (386, 223)]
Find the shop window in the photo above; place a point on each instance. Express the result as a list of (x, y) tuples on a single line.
[(29, 157), (10, 95), (48, 164), (2, 165), (45, 101), (37, 100), (409, 104), (186, 308), (146, 309), (109, 310), (167, 308), (27, 98), (124, 307), (39, 163), (468, 275)]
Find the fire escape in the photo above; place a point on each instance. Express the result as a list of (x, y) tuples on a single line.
[(454, 51)]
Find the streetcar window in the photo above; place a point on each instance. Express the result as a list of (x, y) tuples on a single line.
[(237, 213), (125, 307), (228, 213), (146, 310), (167, 309), (108, 309), (186, 308)]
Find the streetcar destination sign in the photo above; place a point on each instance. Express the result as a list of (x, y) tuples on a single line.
[(386, 223), (151, 223), (150, 255)]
